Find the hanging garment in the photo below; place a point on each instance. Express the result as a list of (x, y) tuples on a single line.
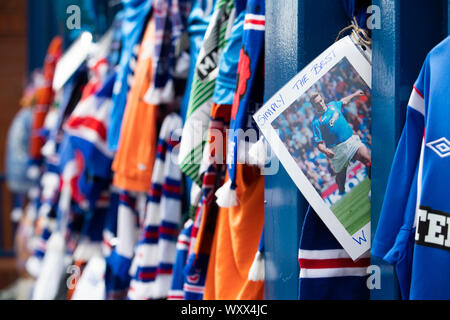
[(236, 240), (57, 150), (424, 144), (17, 152), (195, 128), (401, 251), (326, 271), (86, 131), (110, 226), (87, 127), (45, 198), (206, 213), (53, 267), (213, 160), (89, 244), (156, 250), (115, 287), (118, 264), (176, 291), (170, 24), (248, 97), (70, 165), (91, 285), (257, 270), (97, 73), (197, 24), (135, 15), (133, 162), (228, 63), (66, 99), (44, 97), (115, 48)]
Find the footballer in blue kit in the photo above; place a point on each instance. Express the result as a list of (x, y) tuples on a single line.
[(334, 137)]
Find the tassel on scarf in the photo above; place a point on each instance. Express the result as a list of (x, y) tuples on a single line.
[(257, 153), (226, 196), (257, 270)]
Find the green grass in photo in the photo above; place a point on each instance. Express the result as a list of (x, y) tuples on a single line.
[(353, 209)]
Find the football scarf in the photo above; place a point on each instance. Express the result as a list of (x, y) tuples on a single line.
[(248, 97), (119, 262), (97, 73), (53, 265), (198, 22), (51, 179), (257, 270), (176, 291), (206, 213), (116, 289), (88, 248), (135, 13), (326, 271), (44, 97), (197, 119), (54, 262), (45, 196), (87, 127), (156, 249), (170, 20), (228, 62)]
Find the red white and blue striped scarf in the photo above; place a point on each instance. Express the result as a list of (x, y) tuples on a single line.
[(248, 97), (170, 18), (206, 213), (326, 271), (156, 250)]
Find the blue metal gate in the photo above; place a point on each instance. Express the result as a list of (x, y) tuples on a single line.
[(296, 32)]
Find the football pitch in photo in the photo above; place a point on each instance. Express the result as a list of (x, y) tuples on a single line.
[(353, 209)]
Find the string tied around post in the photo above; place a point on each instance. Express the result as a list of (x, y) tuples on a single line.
[(362, 35)]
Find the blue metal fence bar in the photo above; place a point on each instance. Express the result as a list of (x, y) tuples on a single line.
[(283, 201), (295, 35), (42, 27), (384, 99), (409, 29)]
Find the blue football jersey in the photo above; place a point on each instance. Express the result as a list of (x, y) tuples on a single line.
[(424, 147), (331, 127)]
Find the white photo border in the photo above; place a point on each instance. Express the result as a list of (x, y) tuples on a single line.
[(359, 243)]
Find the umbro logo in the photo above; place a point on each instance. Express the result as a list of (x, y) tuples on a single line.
[(440, 146)]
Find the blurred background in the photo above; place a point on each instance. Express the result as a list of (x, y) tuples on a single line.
[(26, 29)]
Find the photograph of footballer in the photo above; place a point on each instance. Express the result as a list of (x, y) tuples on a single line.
[(319, 127), (327, 131)]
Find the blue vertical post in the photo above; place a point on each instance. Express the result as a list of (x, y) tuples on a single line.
[(409, 29), (42, 27), (283, 201), (296, 32), (448, 17)]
